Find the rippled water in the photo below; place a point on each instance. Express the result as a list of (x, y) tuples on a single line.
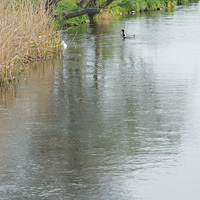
[(117, 119)]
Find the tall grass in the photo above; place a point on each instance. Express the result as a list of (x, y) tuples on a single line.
[(27, 33)]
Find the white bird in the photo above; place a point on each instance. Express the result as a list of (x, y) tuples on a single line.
[(64, 45)]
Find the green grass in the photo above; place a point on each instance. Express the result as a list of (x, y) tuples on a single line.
[(68, 6), (116, 8)]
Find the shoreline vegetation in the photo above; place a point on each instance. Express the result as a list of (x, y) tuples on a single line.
[(27, 34), (28, 27), (64, 9)]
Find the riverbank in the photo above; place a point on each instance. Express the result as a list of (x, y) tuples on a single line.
[(27, 33), (117, 7)]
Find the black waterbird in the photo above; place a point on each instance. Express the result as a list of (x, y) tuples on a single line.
[(124, 35)]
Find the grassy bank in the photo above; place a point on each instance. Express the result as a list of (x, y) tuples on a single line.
[(69, 6), (27, 33), (115, 8), (126, 6)]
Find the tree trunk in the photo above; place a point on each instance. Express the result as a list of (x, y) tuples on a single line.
[(90, 11)]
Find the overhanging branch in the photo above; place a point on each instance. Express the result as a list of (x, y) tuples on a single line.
[(91, 11)]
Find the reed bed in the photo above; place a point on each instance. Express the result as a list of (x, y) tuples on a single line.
[(27, 33)]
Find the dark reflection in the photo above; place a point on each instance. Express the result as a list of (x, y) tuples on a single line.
[(108, 120)]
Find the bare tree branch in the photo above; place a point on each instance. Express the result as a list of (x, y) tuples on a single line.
[(82, 12), (50, 5), (89, 3)]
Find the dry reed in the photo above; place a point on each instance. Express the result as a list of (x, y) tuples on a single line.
[(27, 33)]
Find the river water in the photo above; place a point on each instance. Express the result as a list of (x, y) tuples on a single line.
[(116, 119)]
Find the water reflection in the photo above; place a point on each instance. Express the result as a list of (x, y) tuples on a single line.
[(120, 117)]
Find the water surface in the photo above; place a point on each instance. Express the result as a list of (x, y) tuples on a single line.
[(117, 119)]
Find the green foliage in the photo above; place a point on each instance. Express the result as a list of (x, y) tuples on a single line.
[(68, 6), (140, 5), (117, 10), (100, 3), (181, 2), (127, 4), (5, 72), (116, 7), (43, 51)]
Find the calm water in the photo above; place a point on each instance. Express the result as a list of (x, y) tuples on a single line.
[(117, 119)]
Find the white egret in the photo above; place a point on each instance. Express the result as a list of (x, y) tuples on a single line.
[(64, 47)]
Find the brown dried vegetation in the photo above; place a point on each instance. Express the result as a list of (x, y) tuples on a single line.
[(27, 33)]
